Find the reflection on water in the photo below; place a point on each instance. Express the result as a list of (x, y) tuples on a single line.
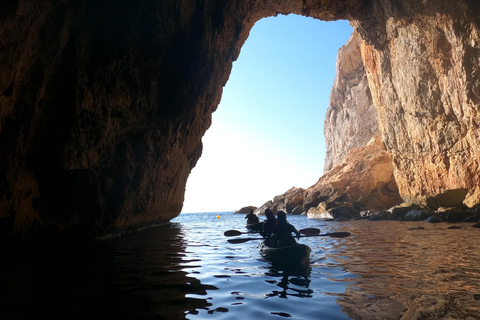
[(187, 270), (411, 273), (143, 275), (294, 286)]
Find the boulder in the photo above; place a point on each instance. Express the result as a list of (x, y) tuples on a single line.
[(344, 212), (338, 211), (290, 202), (433, 219), (298, 210), (472, 198), (261, 210), (364, 178), (318, 213), (381, 215), (449, 198), (246, 210), (416, 215), (451, 214), (400, 211)]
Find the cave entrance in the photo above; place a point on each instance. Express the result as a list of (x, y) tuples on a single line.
[(267, 133)]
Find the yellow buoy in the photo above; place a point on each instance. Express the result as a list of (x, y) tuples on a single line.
[(218, 216)]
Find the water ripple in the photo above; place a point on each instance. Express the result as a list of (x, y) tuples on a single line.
[(187, 270)]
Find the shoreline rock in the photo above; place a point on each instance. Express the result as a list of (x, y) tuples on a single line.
[(246, 210), (345, 211)]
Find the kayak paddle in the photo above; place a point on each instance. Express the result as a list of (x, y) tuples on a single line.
[(306, 231), (330, 234)]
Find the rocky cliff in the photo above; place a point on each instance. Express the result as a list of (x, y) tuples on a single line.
[(422, 65), (351, 120), (103, 105), (363, 181)]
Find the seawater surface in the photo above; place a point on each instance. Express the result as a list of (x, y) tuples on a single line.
[(188, 270)]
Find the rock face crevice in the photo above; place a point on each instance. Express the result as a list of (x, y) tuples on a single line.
[(351, 120), (103, 106)]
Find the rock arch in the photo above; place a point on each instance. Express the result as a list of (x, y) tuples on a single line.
[(103, 106)]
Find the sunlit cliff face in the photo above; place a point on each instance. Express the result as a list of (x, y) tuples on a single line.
[(103, 106)]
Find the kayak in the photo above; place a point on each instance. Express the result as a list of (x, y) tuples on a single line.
[(255, 226), (298, 254)]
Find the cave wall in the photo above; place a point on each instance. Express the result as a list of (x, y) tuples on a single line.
[(103, 104), (422, 63), (103, 109)]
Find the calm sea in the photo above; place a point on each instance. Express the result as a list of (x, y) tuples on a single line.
[(188, 270)]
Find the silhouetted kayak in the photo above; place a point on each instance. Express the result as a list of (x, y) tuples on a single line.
[(255, 226), (296, 254)]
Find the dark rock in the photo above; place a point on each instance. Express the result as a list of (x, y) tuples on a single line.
[(247, 209), (417, 228), (473, 214), (433, 219), (265, 206), (298, 210), (472, 218), (399, 212), (453, 214), (417, 215), (475, 209), (382, 215), (365, 214), (343, 213), (290, 202), (449, 198), (335, 210), (294, 201)]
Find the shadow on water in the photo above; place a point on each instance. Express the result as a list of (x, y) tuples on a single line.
[(294, 280), (187, 270), (118, 278)]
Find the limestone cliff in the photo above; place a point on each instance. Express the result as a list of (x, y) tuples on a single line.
[(363, 181), (351, 120), (103, 105), (422, 63)]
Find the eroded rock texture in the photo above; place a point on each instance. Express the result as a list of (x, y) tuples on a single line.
[(103, 105), (422, 63), (351, 120), (362, 181)]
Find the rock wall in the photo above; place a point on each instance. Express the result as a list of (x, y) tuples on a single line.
[(103, 105), (351, 120), (362, 181), (422, 63), (103, 109)]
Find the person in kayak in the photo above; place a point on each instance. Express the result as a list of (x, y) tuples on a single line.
[(282, 232), (252, 218), (269, 223)]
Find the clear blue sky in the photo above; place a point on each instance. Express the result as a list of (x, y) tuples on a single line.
[(267, 133)]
